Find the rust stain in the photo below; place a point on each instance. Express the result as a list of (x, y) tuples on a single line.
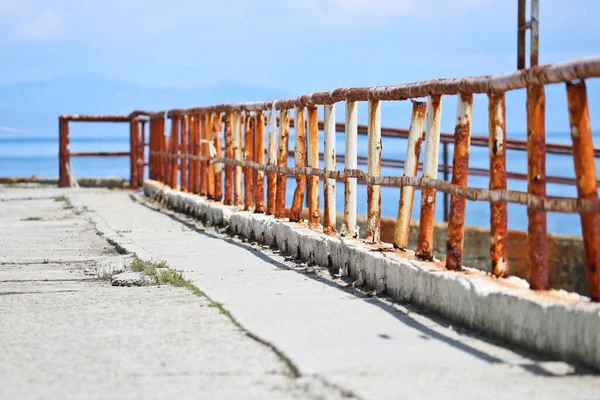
[(228, 199), (284, 128), (183, 150), (299, 161), (413, 152), (428, 195), (374, 166), (260, 159), (460, 172), (587, 187), (237, 152), (248, 156), (217, 129), (536, 171), (313, 181), (498, 210)]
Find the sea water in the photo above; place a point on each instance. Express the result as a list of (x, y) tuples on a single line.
[(24, 156)]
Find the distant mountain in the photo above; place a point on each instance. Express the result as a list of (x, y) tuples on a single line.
[(34, 107)]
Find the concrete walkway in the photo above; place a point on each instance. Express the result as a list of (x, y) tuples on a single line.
[(64, 334), (365, 345)]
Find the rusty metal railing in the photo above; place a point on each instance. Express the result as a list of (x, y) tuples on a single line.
[(199, 159), (136, 154)]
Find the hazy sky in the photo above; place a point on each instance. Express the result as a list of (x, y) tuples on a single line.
[(295, 45)]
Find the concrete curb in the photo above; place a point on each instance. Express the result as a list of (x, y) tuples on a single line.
[(562, 324)]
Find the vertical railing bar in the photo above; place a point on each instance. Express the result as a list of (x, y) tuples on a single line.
[(521, 34), (210, 167), (282, 161), (535, 33), (204, 151), (195, 131), (217, 132), (349, 227), (248, 156), (183, 177), (430, 170), (271, 160), (536, 185), (313, 162), (411, 164), (498, 210), (299, 161), (229, 123), (237, 153), (587, 186), (259, 123), (173, 162), (374, 169), (133, 153), (329, 215), (191, 145), (446, 176), (63, 153), (141, 152), (164, 160), (460, 174)]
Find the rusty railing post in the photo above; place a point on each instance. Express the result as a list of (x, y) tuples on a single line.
[(411, 166), (460, 174), (173, 147), (203, 137), (430, 170), (374, 169), (183, 150), (536, 179), (210, 166), (329, 219), (163, 148), (215, 176), (228, 198), (272, 160), (259, 125), (133, 153), (141, 153), (63, 153), (284, 133), (237, 153), (349, 228), (587, 187), (313, 162), (194, 131), (299, 162), (248, 156), (445, 157), (498, 210), (152, 141), (191, 146)]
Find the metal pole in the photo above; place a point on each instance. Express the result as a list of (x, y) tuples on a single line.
[(407, 193), (430, 170), (299, 161), (329, 164), (349, 227), (284, 133)]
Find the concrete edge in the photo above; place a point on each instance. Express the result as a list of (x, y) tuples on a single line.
[(554, 322)]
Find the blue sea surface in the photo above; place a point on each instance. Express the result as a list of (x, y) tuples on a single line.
[(24, 156)]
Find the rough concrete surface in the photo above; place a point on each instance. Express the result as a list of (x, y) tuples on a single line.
[(65, 334), (364, 344), (551, 322)]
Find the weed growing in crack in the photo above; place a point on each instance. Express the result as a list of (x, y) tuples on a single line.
[(31, 219)]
